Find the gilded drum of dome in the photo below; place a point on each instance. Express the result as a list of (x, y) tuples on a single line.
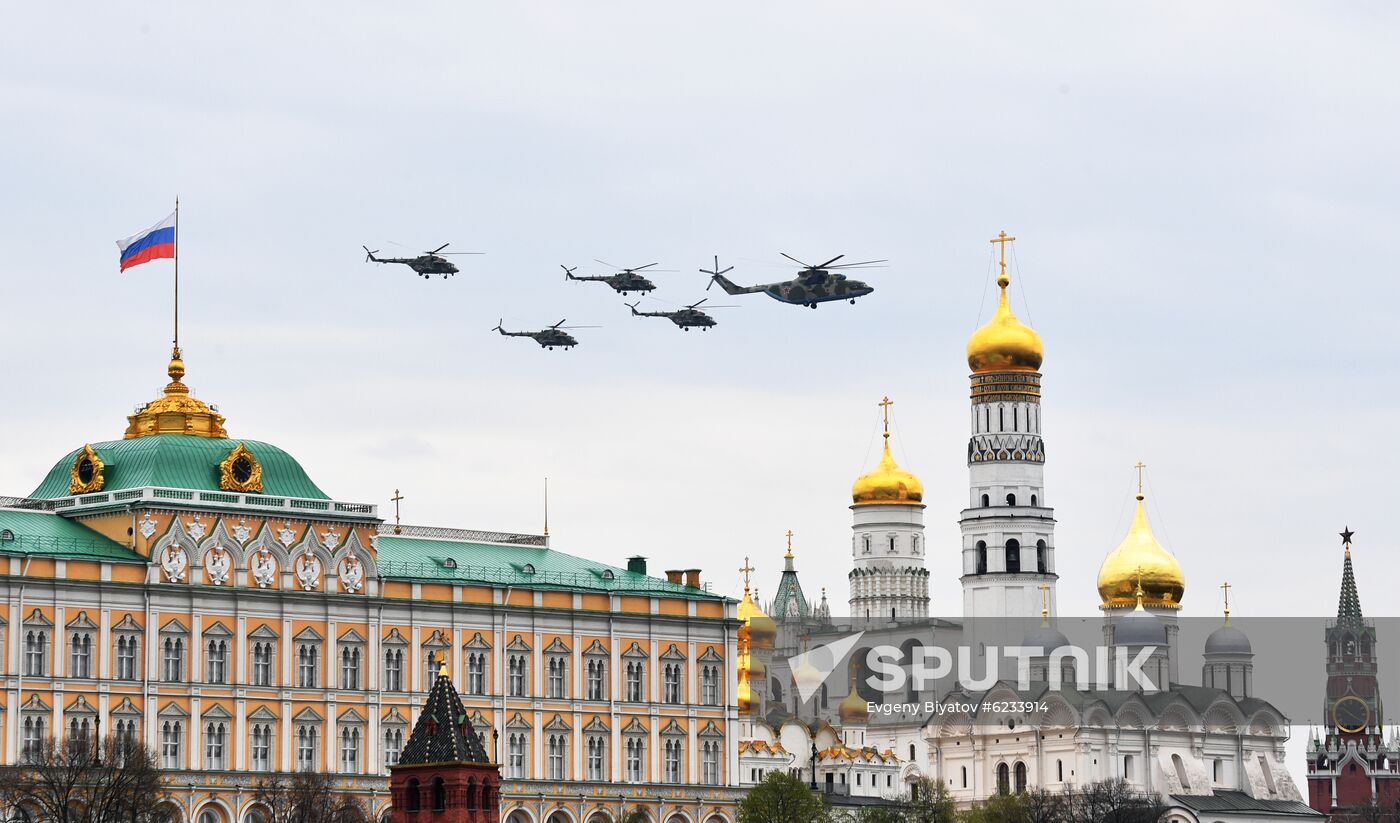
[(1004, 343), (1141, 556)]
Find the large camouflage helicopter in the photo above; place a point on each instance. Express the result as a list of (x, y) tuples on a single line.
[(426, 264), (548, 338), (624, 282), (813, 285), (685, 318)]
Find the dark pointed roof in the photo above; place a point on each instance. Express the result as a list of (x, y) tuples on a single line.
[(1349, 603), (789, 594), (443, 732)]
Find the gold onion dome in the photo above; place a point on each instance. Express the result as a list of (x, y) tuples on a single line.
[(1004, 343), (762, 631), (888, 484), (854, 709), (1141, 560), (176, 412)]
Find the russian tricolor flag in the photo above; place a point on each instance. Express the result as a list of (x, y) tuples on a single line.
[(152, 244)]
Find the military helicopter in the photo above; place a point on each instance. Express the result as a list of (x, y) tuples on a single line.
[(425, 264), (812, 285), (685, 317), (548, 338), (625, 281)]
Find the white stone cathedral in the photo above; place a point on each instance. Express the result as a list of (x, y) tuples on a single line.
[(1213, 754)]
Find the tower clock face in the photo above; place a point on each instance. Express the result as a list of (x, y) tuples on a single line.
[(242, 469), (1350, 714)]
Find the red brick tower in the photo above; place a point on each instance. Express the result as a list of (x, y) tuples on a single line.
[(444, 774), (1352, 761)]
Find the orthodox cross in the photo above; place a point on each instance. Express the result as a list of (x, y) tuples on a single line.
[(1226, 587), (746, 570), (885, 408), (1003, 239), (1045, 603), (396, 498), (789, 537), (1140, 466)]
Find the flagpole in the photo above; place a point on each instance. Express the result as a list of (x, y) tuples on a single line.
[(177, 275)]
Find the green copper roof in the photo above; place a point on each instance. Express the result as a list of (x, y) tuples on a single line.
[(180, 461), (45, 533), (534, 566), (1349, 602)]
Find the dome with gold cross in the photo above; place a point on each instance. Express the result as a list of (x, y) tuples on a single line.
[(888, 484), (1141, 561), (1004, 343)]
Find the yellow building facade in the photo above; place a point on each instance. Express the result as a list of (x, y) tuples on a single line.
[(201, 593)]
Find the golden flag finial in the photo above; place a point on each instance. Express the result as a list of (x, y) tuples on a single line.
[(1003, 238)]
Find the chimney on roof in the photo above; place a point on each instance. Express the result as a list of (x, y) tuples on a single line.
[(692, 578), (637, 564), (674, 576)]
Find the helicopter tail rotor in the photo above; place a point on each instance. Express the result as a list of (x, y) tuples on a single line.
[(568, 272), (370, 255)]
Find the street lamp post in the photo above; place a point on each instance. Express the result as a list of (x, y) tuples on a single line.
[(814, 765)]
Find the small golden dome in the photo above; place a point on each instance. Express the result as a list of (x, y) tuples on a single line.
[(887, 485), (176, 412), (854, 709), (1005, 343), (1141, 558), (745, 696), (762, 631)]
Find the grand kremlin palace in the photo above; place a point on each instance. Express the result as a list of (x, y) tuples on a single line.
[(202, 593)]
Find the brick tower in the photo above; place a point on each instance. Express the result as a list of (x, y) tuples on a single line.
[(444, 774)]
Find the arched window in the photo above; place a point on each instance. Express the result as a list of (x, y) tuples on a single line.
[(1011, 499), (1180, 768), (981, 557), (1041, 556), (1034, 500), (1013, 556), (964, 777), (1003, 779), (986, 500), (1060, 771), (911, 753), (439, 794), (1020, 778), (414, 800)]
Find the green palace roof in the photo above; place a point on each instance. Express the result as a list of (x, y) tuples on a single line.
[(24, 531), (180, 461), (533, 566)]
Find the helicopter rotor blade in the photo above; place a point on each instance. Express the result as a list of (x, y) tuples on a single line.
[(829, 262), (606, 263), (557, 325), (639, 268), (855, 265), (439, 248), (575, 327), (693, 305), (795, 260)]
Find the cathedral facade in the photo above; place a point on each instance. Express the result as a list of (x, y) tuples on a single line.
[(1213, 751), (202, 594)]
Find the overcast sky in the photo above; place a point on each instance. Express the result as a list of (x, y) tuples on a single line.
[(1205, 199)]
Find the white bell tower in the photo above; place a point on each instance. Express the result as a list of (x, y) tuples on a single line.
[(889, 581), (1008, 527)]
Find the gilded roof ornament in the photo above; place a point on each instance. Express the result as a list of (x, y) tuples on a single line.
[(888, 484), (1004, 343), (1141, 563), (176, 412)]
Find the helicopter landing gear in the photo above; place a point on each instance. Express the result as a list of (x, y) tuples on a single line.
[(853, 301), (811, 305)]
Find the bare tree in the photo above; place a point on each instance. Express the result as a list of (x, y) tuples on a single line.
[(76, 781), (306, 797), (1112, 801)]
